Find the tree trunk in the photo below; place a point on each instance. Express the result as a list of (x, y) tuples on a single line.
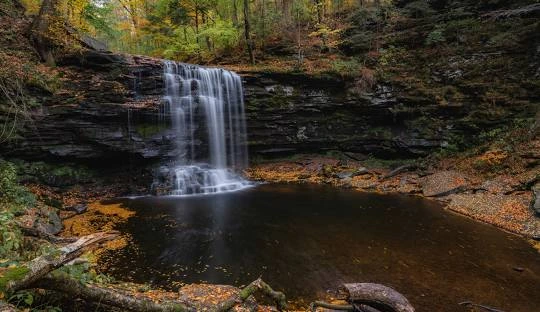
[(235, 13), (247, 32), (319, 4), (41, 31)]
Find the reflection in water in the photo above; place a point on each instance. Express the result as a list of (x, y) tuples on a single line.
[(308, 239)]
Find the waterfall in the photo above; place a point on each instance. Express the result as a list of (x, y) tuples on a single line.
[(205, 104)]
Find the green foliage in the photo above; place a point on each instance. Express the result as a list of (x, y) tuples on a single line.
[(436, 36), (31, 300), (22, 297), (10, 190), (10, 274), (97, 16), (11, 239), (346, 68), (419, 9), (222, 34), (84, 273), (54, 174), (391, 55)]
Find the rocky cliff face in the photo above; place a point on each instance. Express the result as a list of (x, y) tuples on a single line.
[(295, 114), (109, 108)]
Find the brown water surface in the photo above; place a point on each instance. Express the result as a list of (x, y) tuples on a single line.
[(308, 239)]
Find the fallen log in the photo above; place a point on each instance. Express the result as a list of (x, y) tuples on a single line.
[(22, 277), (377, 296), (106, 296)]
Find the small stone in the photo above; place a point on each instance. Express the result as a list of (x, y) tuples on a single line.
[(350, 174), (361, 171), (79, 208), (344, 175)]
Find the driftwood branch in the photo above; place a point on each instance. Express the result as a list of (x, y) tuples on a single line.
[(339, 307), (106, 296), (32, 271), (256, 286), (484, 307)]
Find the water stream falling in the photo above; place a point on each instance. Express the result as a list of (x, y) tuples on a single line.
[(206, 108)]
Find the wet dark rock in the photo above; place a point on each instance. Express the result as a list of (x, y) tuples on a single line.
[(536, 199), (110, 111), (344, 175), (350, 174), (105, 114), (79, 208), (48, 221)]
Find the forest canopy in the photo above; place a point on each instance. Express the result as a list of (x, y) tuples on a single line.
[(205, 29)]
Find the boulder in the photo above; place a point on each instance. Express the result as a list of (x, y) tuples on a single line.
[(48, 221)]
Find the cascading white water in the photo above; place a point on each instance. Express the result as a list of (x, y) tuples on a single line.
[(195, 96)]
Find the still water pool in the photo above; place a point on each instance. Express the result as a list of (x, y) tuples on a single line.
[(306, 240)]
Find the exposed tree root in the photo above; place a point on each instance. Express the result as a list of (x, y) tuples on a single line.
[(257, 285)]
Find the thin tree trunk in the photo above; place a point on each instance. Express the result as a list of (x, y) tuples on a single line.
[(197, 32), (235, 13), (41, 31), (319, 4), (247, 32)]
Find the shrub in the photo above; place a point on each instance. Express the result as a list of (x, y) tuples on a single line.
[(419, 9), (11, 193), (346, 68), (436, 36)]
